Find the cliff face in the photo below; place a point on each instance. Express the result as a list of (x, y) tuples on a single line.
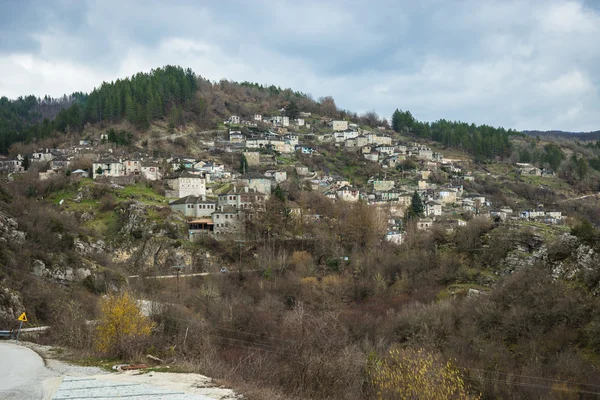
[(565, 257), (152, 241)]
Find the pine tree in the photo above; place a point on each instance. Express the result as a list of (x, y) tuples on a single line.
[(278, 193), (397, 120), (291, 110), (243, 164), (129, 109), (416, 206)]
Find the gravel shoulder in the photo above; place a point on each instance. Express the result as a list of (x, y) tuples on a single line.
[(45, 375)]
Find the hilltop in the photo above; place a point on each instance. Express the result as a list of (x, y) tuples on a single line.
[(292, 249), (593, 135)]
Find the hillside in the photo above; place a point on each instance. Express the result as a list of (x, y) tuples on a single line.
[(594, 135), (293, 250)]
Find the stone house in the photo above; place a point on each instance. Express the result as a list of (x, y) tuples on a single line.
[(228, 221), (342, 136), (383, 184), (256, 181), (184, 183), (242, 198), (348, 193), (372, 156), (194, 206), (151, 171), (236, 136), (234, 120), (447, 196), (277, 176), (132, 167), (381, 140), (385, 149), (424, 223), (8, 166), (433, 208), (339, 125), (108, 166)]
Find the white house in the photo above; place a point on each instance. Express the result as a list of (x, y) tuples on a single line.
[(433, 208), (383, 149), (348, 193), (108, 166), (42, 156), (193, 206), (291, 139), (184, 183), (395, 237), (151, 171), (234, 120), (342, 136), (236, 136), (257, 117), (281, 120)]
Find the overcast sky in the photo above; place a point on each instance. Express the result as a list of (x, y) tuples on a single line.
[(519, 64)]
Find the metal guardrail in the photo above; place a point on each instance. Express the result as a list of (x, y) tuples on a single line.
[(9, 334)]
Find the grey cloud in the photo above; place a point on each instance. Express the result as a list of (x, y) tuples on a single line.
[(523, 64)]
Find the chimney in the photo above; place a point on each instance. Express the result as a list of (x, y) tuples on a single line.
[(246, 189)]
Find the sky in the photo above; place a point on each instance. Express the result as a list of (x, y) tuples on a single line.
[(523, 64)]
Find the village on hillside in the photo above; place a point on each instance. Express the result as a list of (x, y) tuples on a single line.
[(216, 199)]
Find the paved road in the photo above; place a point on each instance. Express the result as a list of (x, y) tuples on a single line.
[(25, 376), (22, 373)]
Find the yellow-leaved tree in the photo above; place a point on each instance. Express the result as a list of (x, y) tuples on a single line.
[(417, 374), (122, 325)]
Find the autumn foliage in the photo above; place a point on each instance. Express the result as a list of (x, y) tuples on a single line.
[(417, 374), (122, 325)]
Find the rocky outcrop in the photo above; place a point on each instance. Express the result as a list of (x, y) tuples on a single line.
[(11, 305), (155, 254), (9, 229), (62, 275), (565, 258), (150, 240)]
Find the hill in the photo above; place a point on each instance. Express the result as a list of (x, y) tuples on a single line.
[(299, 261), (178, 98), (593, 135)]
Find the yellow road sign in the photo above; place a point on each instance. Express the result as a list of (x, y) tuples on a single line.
[(23, 318)]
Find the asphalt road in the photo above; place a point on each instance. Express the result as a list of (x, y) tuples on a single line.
[(25, 376), (22, 373)]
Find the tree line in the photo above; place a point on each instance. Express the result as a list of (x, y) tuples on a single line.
[(164, 92), (29, 118), (481, 141)]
